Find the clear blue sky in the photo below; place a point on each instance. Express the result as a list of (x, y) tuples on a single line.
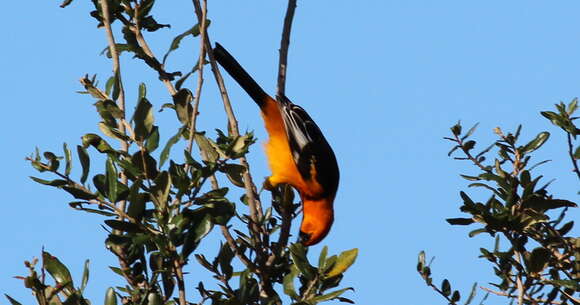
[(384, 80)]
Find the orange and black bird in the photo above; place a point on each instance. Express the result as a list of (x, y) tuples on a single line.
[(297, 152)]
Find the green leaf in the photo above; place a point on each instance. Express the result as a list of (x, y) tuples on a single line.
[(153, 141), (91, 139), (12, 301), (110, 297), (142, 91), (460, 221), (57, 270), (543, 204), (206, 148), (108, 110), (330, 296), (446, 287), (85, 279), (566, 228), (476, 232), (455, 297), (298, 254), (112, 132), (55, 182), (194, 31), (182, 101), (68, 159), (234, 172), (572, 106), (470, 132), (571, 284), (116, 85), (470, 178), (137, 201), (143, 161), (167, 149), (85, 162), (537, 260), (322, 257), (456, 129), (111, 174), (202, 225), (288, 282), (64, 4), (123, 226), (536, 143), (225, 257), (79, 206), (79, 193), (143, 119), (160, 190), (472, 294), (154, 299), (343, 262)]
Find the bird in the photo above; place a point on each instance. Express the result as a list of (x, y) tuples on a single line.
[(297, 151)]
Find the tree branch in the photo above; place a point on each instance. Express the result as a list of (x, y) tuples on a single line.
[(284, 45), (254, 203), (201, 62), (117, 75), (505, 294)]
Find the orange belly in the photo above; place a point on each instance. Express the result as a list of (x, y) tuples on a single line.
[(284, 169)]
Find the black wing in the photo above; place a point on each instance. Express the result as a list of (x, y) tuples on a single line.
[(309, 147)]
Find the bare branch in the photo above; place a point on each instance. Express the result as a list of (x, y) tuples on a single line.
[(118, 79), (505, 294), (254, 203), (201, 62), (284, 45)]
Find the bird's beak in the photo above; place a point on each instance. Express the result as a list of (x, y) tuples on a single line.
[(304, 237)]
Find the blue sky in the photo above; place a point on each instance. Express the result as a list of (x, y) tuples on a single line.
[(384, 79)]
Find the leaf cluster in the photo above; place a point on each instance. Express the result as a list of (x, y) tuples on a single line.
[(538, 263), (159, 200)]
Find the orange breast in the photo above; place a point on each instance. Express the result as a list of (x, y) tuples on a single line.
[(282, 164)]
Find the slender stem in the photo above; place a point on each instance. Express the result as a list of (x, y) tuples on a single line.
[(117, 74), (519, 283), (284, 44), (571, 154), (201, 62), (136, 29), (505, 294), (254, 203), (232, 243), (180, 282), (468, 154)]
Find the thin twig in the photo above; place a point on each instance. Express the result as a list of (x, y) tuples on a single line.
[(232, 243), (571, 153), (284, 44), (201, 62), (254, 203), (136, 29), (281, 89), (117, 74), (180, 282), (468, 154), (519, 284), (505, 294)]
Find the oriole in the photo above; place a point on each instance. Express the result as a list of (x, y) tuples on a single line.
[(298, 153)]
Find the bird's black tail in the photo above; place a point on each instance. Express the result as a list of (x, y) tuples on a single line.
[(226, 60)]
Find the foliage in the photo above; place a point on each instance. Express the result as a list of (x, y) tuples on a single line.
[(158, 205), (538, 263)]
